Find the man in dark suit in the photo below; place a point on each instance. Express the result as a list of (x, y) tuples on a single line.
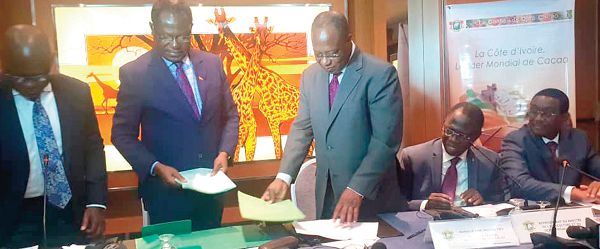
[(50, 149), (351, 105), (451, 171), (181, 100), (533, 154)]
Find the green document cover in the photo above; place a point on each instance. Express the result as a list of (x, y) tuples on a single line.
[(253, 208)]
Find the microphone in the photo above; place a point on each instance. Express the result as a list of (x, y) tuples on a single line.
[(550, 240), (512, 179), (285, 242), (567, 164), (580, 232)]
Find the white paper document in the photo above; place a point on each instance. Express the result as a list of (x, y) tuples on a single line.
[(200, 180), (488, 210), (333, 230)]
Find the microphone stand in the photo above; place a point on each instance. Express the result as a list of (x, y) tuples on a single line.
[(567, 164), (512, 179), (45, 171)]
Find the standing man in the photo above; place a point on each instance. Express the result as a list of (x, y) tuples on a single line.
[(50, 148), (533, 153), (181, 100), (451, 171), (351, 104)]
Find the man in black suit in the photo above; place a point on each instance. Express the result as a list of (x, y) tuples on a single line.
[(451, 171), (51, 153), (533, 154)]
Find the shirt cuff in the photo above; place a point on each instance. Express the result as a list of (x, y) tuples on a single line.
[(284, 177), (423, 204), (152, 168), (567, 194), (361, 196), (96, 206)]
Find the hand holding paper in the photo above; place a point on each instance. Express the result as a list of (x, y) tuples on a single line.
[(253, 208), (201, 180)]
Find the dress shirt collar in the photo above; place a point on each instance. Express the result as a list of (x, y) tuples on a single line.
[(555, 139), (46, 89), (447, 157)]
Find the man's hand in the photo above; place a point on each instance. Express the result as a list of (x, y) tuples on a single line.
[(275, 191), (348, 207), (93, 222), (168, 175), (438, 201), (594, 190), (581, 194), (472, 197), (220, 163)]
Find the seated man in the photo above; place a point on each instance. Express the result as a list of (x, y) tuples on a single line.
[(447, 171), (533, 154)]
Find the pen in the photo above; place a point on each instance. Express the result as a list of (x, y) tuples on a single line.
[(415, 234)]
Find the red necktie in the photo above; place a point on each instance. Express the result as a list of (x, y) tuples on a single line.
[(185, 86), (450, 180), (553, 146), (333, 88)]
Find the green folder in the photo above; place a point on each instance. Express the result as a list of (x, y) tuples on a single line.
[(253, 208), (174, 227)]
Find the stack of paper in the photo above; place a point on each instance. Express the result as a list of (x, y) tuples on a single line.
[(200, 180), (334, 230), (488, 210), (253, 208)]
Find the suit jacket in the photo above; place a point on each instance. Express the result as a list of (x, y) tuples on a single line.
[(357, 140), (150, 97), (526, 157), (421, 172), (83, 151)]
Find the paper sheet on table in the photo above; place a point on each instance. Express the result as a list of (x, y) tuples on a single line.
[(333, 230), (351, 243), (200, 180), (253, 208), (488, 210)]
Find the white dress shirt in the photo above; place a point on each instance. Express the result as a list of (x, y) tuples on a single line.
[(567, 194), (35, 183), (462, 170)]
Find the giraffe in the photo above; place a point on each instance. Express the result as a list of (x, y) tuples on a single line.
[(279, 99), (108, 92), (243, 92)]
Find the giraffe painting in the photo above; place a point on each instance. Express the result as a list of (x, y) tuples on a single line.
[(108, 92), (243, 92)]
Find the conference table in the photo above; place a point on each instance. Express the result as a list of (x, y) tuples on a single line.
[(407, 223)]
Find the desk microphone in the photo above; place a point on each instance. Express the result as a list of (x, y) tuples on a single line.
[(544, 240), (512, 179), (567, 164), (46, 161)]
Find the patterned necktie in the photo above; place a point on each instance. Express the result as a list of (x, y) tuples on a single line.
[(553, 147), (57, 185), (450, 180), (185, 86), (333, 88)]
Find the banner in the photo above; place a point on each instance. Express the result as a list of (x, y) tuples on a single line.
[(501, 53)]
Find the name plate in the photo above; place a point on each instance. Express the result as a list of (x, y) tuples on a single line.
[(473, 233), (541, 221)]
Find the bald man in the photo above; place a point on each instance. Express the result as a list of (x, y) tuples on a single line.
[(351, 105), (51, 152), (451, 171)]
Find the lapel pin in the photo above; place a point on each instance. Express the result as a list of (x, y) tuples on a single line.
[(200, 78)]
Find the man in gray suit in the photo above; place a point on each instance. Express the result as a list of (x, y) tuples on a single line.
[(357, 128), (533, 154), (451, 171)]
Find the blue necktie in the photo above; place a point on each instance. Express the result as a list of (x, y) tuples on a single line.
[(57, 186)]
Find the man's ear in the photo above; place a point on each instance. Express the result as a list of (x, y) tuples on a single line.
[(151, 27)]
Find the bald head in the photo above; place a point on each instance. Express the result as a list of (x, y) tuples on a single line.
[(331, 41), (27, 51)]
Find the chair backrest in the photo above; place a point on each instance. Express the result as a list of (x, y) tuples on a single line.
[(303, 189), (174, 227)]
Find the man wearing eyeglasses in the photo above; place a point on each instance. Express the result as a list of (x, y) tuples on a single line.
[(351, 104), (533, 154), (52, 166), (449, 172), (181, 99)]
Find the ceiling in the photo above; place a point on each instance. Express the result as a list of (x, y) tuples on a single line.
[(396, 11)]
